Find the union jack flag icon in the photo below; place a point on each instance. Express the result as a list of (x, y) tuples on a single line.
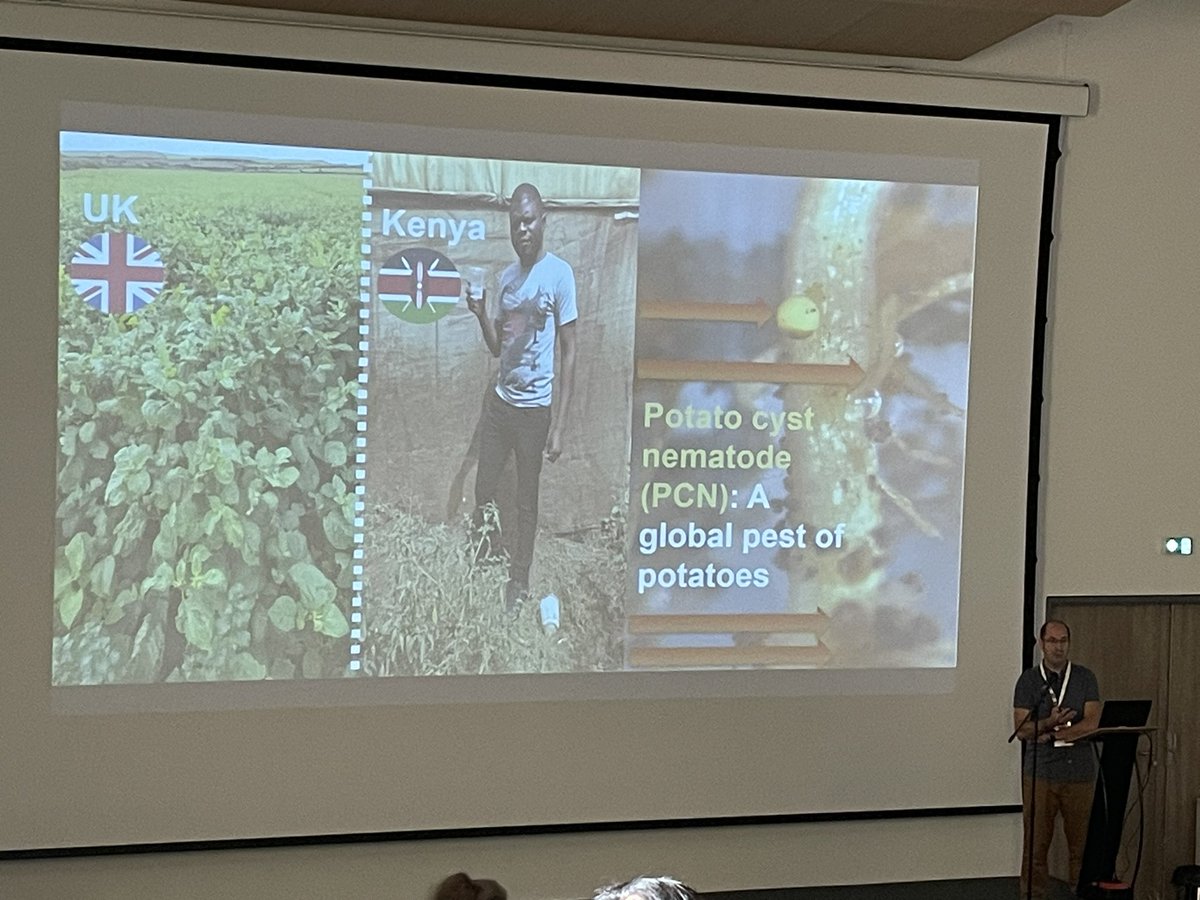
[(116, 272)]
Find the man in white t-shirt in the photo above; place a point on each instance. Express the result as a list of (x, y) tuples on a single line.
[(527, 411)]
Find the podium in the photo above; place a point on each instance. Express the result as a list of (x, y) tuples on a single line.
[(1118, 752)]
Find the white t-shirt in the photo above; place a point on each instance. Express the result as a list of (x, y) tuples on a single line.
[(534, 304)]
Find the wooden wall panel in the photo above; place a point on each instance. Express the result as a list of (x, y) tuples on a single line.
[(1183, 737), (1126, 643)]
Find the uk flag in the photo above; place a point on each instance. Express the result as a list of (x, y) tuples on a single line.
[(116, 272)]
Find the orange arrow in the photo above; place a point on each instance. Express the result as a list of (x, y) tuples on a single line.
[(749, 623), (750, 655), (761, 373), (756, 311)]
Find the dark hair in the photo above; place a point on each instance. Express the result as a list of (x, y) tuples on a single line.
[(650, 887), (525, 189), (461, 886), (1049, 622)]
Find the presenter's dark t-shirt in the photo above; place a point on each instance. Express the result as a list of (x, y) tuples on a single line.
[(1076, 762)]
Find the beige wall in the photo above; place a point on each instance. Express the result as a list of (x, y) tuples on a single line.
[(1120, 427), (1122, 421)]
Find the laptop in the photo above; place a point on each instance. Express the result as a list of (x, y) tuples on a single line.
[(1124, 713)]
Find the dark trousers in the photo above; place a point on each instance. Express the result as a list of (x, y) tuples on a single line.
[(1073, 801), (522, 432)]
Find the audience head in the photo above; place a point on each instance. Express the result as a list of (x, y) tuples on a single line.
[(647, 887), (461, 886)]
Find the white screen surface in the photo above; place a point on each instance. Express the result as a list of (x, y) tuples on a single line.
[(861, 225)]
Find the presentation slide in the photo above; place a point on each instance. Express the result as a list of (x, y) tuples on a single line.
[(334, 413)]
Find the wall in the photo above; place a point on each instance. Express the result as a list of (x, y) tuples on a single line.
[(541, 867), (1118, 430), (1123, 311)]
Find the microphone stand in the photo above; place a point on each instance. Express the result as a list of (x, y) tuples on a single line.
[(1032, 716), (1032, 806), (1025, 721)]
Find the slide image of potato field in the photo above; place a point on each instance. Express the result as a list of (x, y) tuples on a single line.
[(207, 405)]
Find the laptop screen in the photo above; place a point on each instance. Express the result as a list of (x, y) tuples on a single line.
[(1127, 713)]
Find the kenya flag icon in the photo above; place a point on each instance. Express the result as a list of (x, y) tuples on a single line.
[(419, 285)]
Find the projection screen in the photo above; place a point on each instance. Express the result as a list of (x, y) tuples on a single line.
[(397, 454)]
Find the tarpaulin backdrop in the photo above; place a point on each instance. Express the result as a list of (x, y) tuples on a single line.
[(427, 381)]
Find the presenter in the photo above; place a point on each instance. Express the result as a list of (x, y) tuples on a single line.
[(1055, 704), (526, 413)]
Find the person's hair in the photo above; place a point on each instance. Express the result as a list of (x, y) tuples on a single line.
[(1048, 623), (647, 887), (461, 886), (525, 189)]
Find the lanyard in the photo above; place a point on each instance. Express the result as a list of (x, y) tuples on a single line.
[(1062, 691)]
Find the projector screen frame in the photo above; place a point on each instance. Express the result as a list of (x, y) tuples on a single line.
[(650, 91)]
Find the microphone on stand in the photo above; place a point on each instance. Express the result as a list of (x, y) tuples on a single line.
[(1031, 716)]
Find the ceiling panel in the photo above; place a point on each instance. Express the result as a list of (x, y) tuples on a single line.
[(925, 29)]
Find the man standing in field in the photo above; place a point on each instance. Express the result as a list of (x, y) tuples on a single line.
[(525, 414)]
